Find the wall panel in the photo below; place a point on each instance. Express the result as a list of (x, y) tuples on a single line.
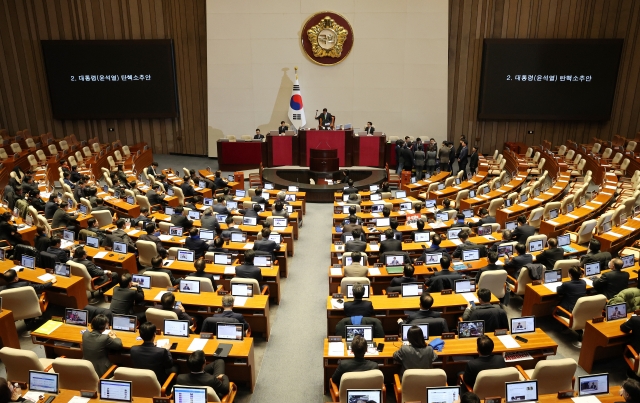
[(24, 98), (473, 20)]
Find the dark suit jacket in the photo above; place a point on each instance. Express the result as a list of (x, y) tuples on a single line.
[(358, 308), (398, 281), (233, 315), (369, 130), (154, 198), (549, 257), (479, 364), (464, 155), (22, 283), (119, 233), (187, 189), (390, 245), (406, 157), (602, 257), (198, 245), (246, 271), (422, 314), (61, 254), (494, 317), (173, 280), (266, 245), (157, 359), (282, 129), (632, 325), (61, 219), (350, 227), (124, 298), (517, 262), (220, 209), (571, 291), (353, 365), (355, 246), (522, 232), (50, 209), (473, 160), (181, 221), (324, 118), (96, 347), (467, 245), (442, 280), (611, 283), (154, 239), (209, 222), (205, 378)]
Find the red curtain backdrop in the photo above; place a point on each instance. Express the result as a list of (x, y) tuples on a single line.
[(236, 153), (326, 140), (282, 154), (369, 151)]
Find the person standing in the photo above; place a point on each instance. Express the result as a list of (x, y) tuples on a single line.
[(419, 161), (463, 158), (399, 145), (406, 158), (473, 161), (432, 158), (443, 156)]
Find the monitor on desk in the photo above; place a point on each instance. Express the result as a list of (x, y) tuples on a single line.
[(468, 213), (364, 395), (230, 178), (28, 261), (414, 179), (277, 238), (240, 193), (176, 328), (189, 394), (552, 276), (470, 255), (569, 207), (616, 311), (505, 250), (553, 213), (262, 261), (291, 197), (105, 189), (348, 260), (175, 231), (190, 286), (400, 194), (442, 216), (432, 258), (393, 260), (202, 184), (430, 203), (592, 269), (464, 285), (268, 186), (46, 382), (120, 247), (115, 390), (170, 192), (443, 394), (62, 269), (239, 237), (373, 188), (206, 235), (536, 192), (241, 290), (193, 215), (126, 323), (377, 208), (382, 222), (222, 258), (375, 197), (440, 186), (186, 256), (142, 280), (627, 261), (484, 230), (169, 211), (406, 206), (472, 328), (292, 188), (131, 200), (221, 218), (411, 289), (564, 240), (521, 391), (606, 227), (453, 233), (423, 326), (251, 221), (350, 291), (365, 331), (525, 324), (345, 197), (78, 317), (232, 205), (535, 246), (116, 194), (229, 331), (596, 384), (421, 236), (93, 242), (345, 209), (472, 194), (279, 222), (83, 209), (207, 201), (523, 198), (68, 235)]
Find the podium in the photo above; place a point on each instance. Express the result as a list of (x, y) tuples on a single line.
[(324, 160)]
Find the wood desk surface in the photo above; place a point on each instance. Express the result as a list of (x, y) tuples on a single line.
[(419, 185), (450, 192), (514, 184), (382, 302)]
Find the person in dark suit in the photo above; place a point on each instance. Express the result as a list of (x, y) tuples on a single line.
[(179, 219), (325, 119), (148, 356), (200, 265), (407, 277), (357, 364), (632, 325), (493, 315), (282, 128), (217, 245), (595, 255), (352, 225), (571, 291), (438, 282), (485, 218), (358, 307), (435, 246), (218, 181), (486, 360), (492, 257), (551, 255), (446, 206), (168, 303), (78, 192), (406, 158), (209, 221), (612, 282), (125, 297), (51, 206), (80, 256), (398, 147), (350, 189), (96, 346), (143, 219), (226, 234), (156, 196), (66, 178), (420, 229), (630, 391), (473, 161), (221, 206), (62, 219), (369, 129), (99, 206), (156, 266), (459, 221), (11, 278), (425, 312), (516, 263), (187, 188), (121, 236), (506, 238), (54, 248), (523, 231), (356, 244), (258, 136), (390, 244), (467, 244), (152, 170), (258, 197), (211, 375), (151, 235), (247, 269), (194, 243), (227, 306), (252, 212), (28, 185), (265, 244), (463, 157)]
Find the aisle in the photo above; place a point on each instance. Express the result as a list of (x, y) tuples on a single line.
[(291, 369)]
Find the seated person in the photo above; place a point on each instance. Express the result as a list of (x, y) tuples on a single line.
[(151, 235), (125, 297), (179, 219), (231, 227), (80, 256), (227, 306), (143, 219), (97, 345), (357, 363), (12, 280), (420, 230), (221, 206), (357, 307), (356, 269), (148, 356), (217, 245), (444, 278), (258, 197), (486, 360), (208, 220), (393, 224), (551, 255), (211, 375), (168, 303), (467, 244), (595, 255), (42, 241), (435, 246), (516, 263), (632, 325), (350, 188), (523, 231), (247, 269), (407, 276), (265, 244), (252, 212), (614, 281), (572, 290), (353, 199), (630, 390), (417, 355), (194, 243), (156, 266), (485, 218), (356, 244), (200, 265), (506, 238), (492, 257), (390, 244), (493, 315), (279, 210), (121, 236), (459, 221), (100, 206), (61, 255), (446, 207), (350, 223), (425, 312)]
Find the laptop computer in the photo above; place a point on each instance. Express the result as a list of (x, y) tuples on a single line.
[(366, 331), (508, 203), (472, 328), (373, 188), (442, 216), (596, 384), (262, 261), (383, 222), (505, 249), (221, 218), (130, 200), (564, 241), (592, 269), (170, 192), (395, 263), (115, 390), (375, 197), (523, 198), (421, 236), (569, 207), (62, 269), (406, 206), (78, 317), (28, 262), (241, 290), (190, 394), (405, 331), (443, 394), (627, 261), (206, 235), (279, 222), (364, 395), (535, 246), (411, 289), (484, 230), (400, 194), (522, 391), (511, 225), (553, 213), (252, 221), (470, 255), (552, 276), (350, 291), (176, 328), (175, 231), (464, 285), (126, 323), (453, 233), (142, 280), (194, 215), (606, 227), (616, 311), (46, 382), (432, 258), (232, 205), (120, 247), (229, 331), (240, 193), (169, 211), (440, 186), (377, 208), (186, 256), (190, 286), (468, 213), (239, 237), (222, 258), (430, 203), (472, 194), (207, 201), (277, 238), (525, 324), (93, 242)]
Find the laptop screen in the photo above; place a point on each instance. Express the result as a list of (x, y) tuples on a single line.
[(373, 188), (474, 328), (190, 286), (178, 328), (627, 261), (115, 390), (504, 249), (383, 222), (62, 269), (240, 193), (484, 230), (202, 184), (468, 213), (406, 206), (352, 331), (442, 216), (400, 194), (170, 192), (375, 197), (469, 255), (348, 260), (364, 395), (430, 203), (377, 208), (232, 205), (569, 207), (207, 235), (523, 198), (525, 324), (432, 258), (262, 261), (552, 276), (444, 394), (440, 186), (242, 290), (207, 201), (350, 291), (229, 331), (525, 391), (250, 220), (622, 218), (222, 258), (239, 237), (511, 225), (93, 242), (411, 289), (130, 200), (221, 218), (83, 209), (345, 198), (175, 231), (553, 214), (393, 260), (169, 211), (194, 215), (606, 227), (279, 222), (421, 236), (465, 285), (76, 317), (28, 261), (68, 235), (120, 247), (275, 238), (143, 281), (423, 326), (125, 323), (472, 194), (292, 189), (617, 311), (535, 246), (564, 240), (453, 233), (46, 382), (592, 269), (186, 255), (184, 394), (593, 384), (268, 186)]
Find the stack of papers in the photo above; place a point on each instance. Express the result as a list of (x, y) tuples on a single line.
[(336, 349), (374, 271), (509, 342), (374, 248), (469, 296), (165, 237), (553, 286), (100, 255), (239, 301), (160, 294), (197, 344), (46, 277), (48, 327), (248, 245), (336, 271), (229, 270)]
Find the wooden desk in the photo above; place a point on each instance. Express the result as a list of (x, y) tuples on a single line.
[(67, 291), (120, 206), (612, 397), (175, 180), (602, 340), (255, 311), (539, 346), (476, 203), (211, 176), (117, 262), (414, 189), (624, 235), (8, 332), (450, 192), (240, 364)]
